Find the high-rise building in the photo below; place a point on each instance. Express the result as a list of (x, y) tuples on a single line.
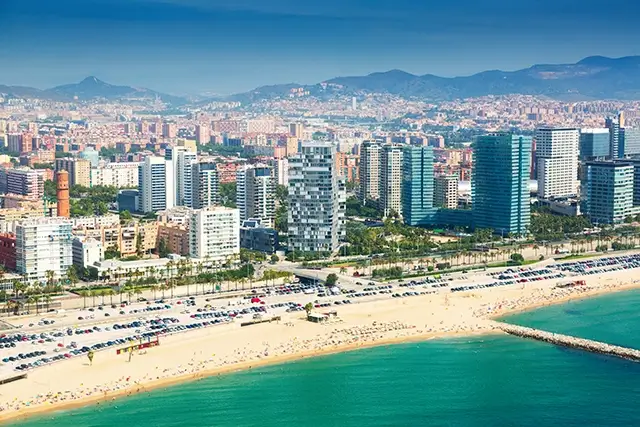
[(206, 185), (417, 185), (500, 183), (214, 233), (43, 245), (296, 130), (25, 182), (391, 180), (608, 191), (255, 194), (169, 130), (293, 146), (62, 193), (156, 184), (616, 148), (446, 191), (203, 134), (316, 200), (594, 144), (182, 159), (79, 170), (557, 157), (281, 171), (370, 154), (630, 141)]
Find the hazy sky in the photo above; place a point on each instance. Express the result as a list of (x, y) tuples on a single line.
[(181, 46)]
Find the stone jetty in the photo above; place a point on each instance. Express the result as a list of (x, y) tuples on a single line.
[(572, 342)]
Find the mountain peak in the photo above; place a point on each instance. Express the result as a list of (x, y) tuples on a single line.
[(92, 80)]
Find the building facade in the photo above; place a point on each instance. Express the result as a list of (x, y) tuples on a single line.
[(255, 193), (500, 183), (594, 144), (25, 182), (608, 191), (43, 245), (79, 170), (557, 153), (391, 180), (446, 191), (417, 185), (206, 185), (370, 155), (214, 233), (316, 200), (87, 252), (155, 185)]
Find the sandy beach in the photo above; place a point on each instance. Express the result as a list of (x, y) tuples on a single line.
[(226, 348)]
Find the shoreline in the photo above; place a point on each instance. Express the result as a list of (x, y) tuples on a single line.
[(225, 370), (136, 388)]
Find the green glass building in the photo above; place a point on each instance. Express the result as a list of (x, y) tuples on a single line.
[(417, 186), (500, 183)]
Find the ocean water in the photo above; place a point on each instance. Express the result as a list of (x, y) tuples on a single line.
[(479, 381)]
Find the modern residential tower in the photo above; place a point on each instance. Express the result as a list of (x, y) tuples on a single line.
[(557, 157), (316, 200)]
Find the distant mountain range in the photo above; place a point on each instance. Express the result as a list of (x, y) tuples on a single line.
[(594, 77), (89, 89)]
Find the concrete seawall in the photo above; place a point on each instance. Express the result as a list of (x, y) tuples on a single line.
[(572, 342)]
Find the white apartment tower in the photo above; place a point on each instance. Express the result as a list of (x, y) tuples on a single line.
[(205, 185), (316, 199), (155, 184), (255, 194), (370, 152), (43, 244), (214, 233), (446, 191), (391, 179), (182, 160), (557, 156)]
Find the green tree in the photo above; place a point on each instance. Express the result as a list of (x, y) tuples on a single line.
[(274, 259), (125, 215), (308, 307), (228, 194), (163, 250), (332, 279), (517, 258)]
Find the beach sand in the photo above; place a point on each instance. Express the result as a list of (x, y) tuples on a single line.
[(226, 348)]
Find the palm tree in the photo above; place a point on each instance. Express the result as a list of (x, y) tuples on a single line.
[(72, 275), (110, 293), (343, 270), (154, 289), (14, 305), (35, 299)]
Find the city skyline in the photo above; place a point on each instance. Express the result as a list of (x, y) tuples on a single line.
[(197, 46)]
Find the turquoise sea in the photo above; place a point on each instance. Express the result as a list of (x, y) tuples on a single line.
[(480, 381)]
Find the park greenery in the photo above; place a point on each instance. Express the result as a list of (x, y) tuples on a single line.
[(369, 210), (228, 194)]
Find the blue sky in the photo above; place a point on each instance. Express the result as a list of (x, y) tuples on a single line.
[(191, 46)]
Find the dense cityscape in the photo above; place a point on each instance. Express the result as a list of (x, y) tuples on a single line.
[(113, 191)]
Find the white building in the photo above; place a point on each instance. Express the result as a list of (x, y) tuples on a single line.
[(205, 183), (370, 171), (557, 156), (156, 184), (316, 199), (446, 191), (281, 171), (182, 160), (87, 252), (119, 175), (391, 179), (42, 245), (107, 220), (255, 194), (214, 233)]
